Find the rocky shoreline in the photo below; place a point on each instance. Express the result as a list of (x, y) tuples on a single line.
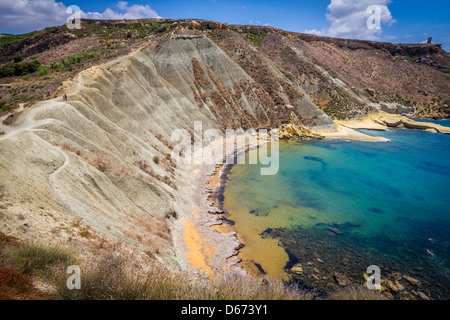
[(218, 248), (221, 247), (207, 240), (383, 121)]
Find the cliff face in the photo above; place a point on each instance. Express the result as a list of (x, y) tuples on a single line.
[(104, 155), (348, 78)]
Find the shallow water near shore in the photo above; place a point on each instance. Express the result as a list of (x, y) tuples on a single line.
[(341, 206)]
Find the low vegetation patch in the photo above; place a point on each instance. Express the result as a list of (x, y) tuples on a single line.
[(11, 69), (16, 285), (11, 38), (68, 63), (112, 278), (36, 259), (256, 38), (110, 275)]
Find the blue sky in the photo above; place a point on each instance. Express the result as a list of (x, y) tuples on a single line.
[(401, 20)]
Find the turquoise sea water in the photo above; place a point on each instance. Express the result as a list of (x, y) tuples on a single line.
[(390, 201)]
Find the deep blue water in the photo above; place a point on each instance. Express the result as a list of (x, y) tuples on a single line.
[(390, 201)]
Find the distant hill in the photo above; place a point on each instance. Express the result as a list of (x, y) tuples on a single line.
[(345, 78)]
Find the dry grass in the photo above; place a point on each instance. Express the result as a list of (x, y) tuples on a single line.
[(15, 285), (144, 166), (106, 165), (8, 240), (36, 259), (111, 277), (357, 293)]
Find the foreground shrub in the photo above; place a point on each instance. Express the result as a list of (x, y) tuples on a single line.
[(37, 259), (16, 285), (112, 278)]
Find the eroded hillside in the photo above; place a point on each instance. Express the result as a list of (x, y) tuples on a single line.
[(103, 156)]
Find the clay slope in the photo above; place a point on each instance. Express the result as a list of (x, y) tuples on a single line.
[(93, 156)]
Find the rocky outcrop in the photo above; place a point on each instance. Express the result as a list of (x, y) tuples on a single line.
[(383, 121)]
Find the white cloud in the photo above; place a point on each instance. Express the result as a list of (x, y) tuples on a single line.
[(29, 15), (25, 15), (122, 5), (316, 32), (349, 19), (258, 23), (129, 12)]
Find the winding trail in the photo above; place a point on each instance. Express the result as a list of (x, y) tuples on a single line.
[(26, 121), (53, 176)]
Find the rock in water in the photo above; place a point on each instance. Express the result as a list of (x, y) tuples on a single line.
[(411, 280), (335, 231), (341, 279), (297, 269), (423, 295)]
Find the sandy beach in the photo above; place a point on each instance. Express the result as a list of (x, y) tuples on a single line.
[(208, 244), (344, 132)]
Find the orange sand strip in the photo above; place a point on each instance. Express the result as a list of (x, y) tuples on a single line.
[(196, 212), (215, 179), (197, 253), (223, 228)]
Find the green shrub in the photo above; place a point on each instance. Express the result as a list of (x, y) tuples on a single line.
[(11, 38), (17, 59), (156, 159), (43, 70), (11, 69), (256, 39), (159, 27), (79, 57), (4, 107), (50, 29), (57, 66)]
